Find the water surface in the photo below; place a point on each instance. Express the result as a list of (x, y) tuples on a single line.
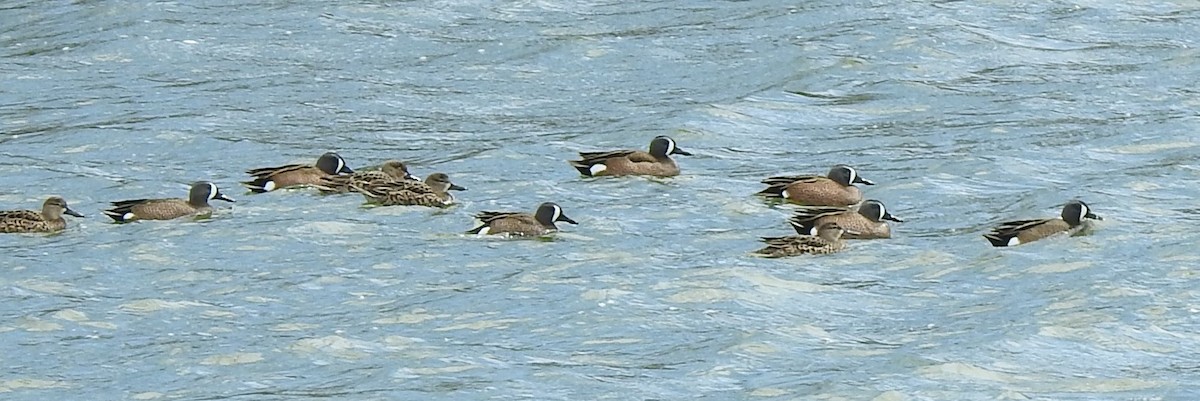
[(965, 114)]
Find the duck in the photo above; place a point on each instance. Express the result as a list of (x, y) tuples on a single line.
[(828, 240), (168, 208), (388, 171), (836, 188), (1076, 217), (49, 220), (656, 163), (268, 179), (867, 222), (541, 222), (434, 191)]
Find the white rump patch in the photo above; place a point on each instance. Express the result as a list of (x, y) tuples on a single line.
[(597, 168), (784, 194), (269, 186), (485, 230), (128, 216), (1014, 241)]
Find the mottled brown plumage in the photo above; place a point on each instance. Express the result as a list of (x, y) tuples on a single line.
[(828, 240), (1075, 215), (866, 222), (170, 208), (292, 175), (835, 189), (523, 224), (433, 192), (657, 162), (50, 219), (390, 170)]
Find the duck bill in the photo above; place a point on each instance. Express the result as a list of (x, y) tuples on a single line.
[(456, 188), (678, 151), (565, 219), (345, 170), (864, 181), (1091, 215), (221, 196), (893, 218), (72, 212)]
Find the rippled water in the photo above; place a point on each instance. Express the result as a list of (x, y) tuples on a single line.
[(965, 113)]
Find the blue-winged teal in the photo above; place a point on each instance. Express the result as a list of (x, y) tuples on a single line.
[(50, 219), (433, 192), (271, 178), (632, 162), (523, 224), (827, 240), (1075, 215), (170, 208), (866, 223), (388, 171), (834, 189)]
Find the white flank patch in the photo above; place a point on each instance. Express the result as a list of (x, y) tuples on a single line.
[(597, 168), (784, 194), (485, 230), (1014, 241), (270, 186), (128, 216), (813, 231)]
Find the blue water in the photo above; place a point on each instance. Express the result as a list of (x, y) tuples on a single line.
[(965, 115)]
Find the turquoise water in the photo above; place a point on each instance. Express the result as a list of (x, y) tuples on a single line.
[(964, 114)]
